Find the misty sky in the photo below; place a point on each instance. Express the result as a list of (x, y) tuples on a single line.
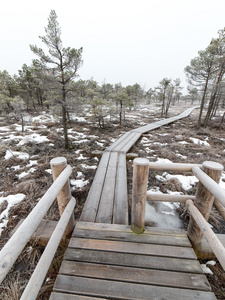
[(124, 41)]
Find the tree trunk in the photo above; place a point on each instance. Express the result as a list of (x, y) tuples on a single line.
[(203, 100)]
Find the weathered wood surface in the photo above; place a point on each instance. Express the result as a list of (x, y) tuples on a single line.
[(120, 212), (107, 200), (32, 289), (205, 251), (15, 245), (204, 200), (210, 236), (139, 192), (131, 237), (134, 248), (115, 268)]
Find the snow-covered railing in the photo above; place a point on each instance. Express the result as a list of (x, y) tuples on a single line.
[(208, 193), (60, 189)]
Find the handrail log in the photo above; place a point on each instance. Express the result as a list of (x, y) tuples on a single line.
[(210, 236), (139, 192), (204, 198), (58, 164), (168, 198), (172, 166), (17, 242), (210, 184), (32, 289)]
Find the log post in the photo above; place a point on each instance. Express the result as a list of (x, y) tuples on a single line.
[(203, 201), (58, 164), (139, 193)]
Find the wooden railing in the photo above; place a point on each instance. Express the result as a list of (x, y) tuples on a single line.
[(60, 189), (199, 206)]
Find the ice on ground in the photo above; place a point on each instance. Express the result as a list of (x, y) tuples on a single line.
[(199, 142), (20, 155), (171, 220), (11, 200)]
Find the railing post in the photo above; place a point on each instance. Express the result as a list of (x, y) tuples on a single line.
[(139, 193), (58, 164), (203, 201)]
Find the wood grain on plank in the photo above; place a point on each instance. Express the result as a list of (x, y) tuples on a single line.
[(131, 237), (120, 209), (94, 195), (105, 209), (117, 246), (134, 260), (63, 296), (136, 275), (124, 290)]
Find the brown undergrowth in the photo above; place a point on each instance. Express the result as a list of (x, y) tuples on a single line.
[(36, 184)]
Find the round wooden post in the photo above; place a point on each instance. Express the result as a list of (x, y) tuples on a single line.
[(203, 201), (139, 193), (58, 164)]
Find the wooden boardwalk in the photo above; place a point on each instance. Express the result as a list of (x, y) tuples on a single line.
[(111, 262), (106, 260), (107, 201)]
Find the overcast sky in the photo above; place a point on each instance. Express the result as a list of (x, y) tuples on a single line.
[(123, 41)]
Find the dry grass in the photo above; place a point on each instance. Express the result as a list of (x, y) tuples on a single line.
[(36, 184)]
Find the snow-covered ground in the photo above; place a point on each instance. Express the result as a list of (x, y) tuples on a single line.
[(37, 132)]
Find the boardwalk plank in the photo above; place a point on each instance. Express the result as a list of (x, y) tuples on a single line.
[(131, 237), (120, 210), (105, 210), (124, 290), (92, 202), (63, 296), (127, 228), (134, 260), (129, 274), (135, 248)]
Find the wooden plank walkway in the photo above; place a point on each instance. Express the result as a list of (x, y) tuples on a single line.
[(107, 201), (109, 261)]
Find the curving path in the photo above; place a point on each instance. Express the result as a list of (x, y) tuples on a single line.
[(107, 201)]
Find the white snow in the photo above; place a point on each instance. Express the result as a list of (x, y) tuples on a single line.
[(78, 183), (171, 220), (81, 157), (199, 142), (33, 138), (11, 200), (205, 269), (20, 155), (88, 167), (183, 143), (187, 182)]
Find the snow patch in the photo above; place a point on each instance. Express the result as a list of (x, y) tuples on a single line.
[(11, 200), (20, 155)]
